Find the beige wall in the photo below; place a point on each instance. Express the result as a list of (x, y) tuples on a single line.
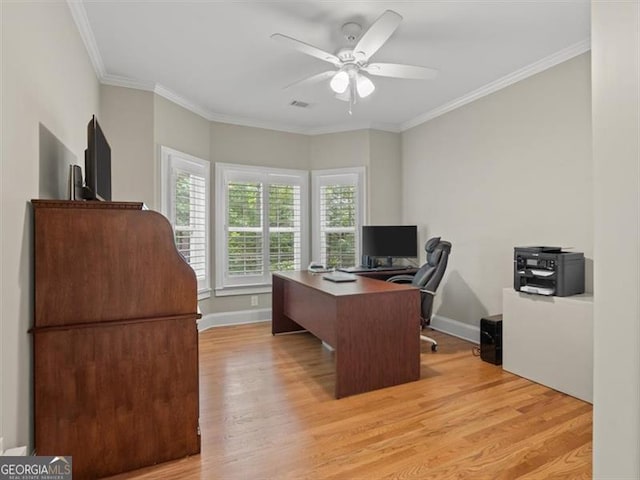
[(384, 178), (126, 118), (337, 150), (258, 146), (178, 128), (616, 155), (49, 92), (510, 169), (380, 153)]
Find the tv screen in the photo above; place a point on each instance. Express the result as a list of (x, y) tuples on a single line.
[(390, 241), (97, 164)]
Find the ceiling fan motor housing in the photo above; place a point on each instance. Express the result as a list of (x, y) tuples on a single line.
[(346, 55)]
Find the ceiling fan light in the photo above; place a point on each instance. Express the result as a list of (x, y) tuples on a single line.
[(340, 82), (365, 86)]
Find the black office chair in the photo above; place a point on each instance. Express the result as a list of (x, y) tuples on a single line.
[(427, 279)]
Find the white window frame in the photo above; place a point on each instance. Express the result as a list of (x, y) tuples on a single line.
[(225, 172), (338, 176), (170, 160)]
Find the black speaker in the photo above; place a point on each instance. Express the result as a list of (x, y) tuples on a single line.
[(491, 339), (75, 182), (367, 261)]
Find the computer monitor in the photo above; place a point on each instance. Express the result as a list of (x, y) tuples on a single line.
[(391, 241), (97, 164)]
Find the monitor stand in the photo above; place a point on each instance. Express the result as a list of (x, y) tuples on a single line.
[(389, 262)]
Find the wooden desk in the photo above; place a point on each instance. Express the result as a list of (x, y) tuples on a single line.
[(372, 325)]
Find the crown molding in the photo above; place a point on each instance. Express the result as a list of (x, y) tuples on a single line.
[(250, 122), (182, 101), (81, 20), (161, 90), (514, 77), (120, 81), (385, 127), (350, 127)]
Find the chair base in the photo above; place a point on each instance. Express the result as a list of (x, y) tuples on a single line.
[(434, 344)]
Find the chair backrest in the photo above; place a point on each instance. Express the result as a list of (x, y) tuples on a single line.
[(430, 275)]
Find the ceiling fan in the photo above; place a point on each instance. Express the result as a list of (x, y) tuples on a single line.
[(351, 64)]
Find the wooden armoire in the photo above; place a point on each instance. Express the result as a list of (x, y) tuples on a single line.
[(115, 338)]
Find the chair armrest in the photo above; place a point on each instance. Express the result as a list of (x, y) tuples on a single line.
[(400, 279)]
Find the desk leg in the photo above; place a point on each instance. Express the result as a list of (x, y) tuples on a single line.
[(378, 341), (280, 323)]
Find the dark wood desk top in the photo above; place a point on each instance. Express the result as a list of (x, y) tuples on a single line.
[(361, 286)]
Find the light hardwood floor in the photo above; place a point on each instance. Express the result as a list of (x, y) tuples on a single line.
[(268, 412)]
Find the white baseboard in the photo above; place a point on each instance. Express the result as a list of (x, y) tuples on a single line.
[(12, 452), (15, 452), (446, 325), (471, 333), (240, 317)]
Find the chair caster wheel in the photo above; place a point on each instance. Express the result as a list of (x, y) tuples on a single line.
[(434, 348)]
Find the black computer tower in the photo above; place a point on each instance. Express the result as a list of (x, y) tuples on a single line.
[(491, 339)]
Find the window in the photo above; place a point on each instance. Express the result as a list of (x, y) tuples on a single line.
[(338, 214), (261, 227), (185, 202)]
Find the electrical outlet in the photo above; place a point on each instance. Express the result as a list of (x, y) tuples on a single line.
[(254, 300)]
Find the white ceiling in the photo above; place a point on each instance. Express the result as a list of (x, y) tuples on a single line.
[(216, 57)]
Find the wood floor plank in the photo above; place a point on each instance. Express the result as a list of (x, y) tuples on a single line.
[(268, 412)]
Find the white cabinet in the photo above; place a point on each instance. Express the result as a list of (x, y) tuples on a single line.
[(549, 340)]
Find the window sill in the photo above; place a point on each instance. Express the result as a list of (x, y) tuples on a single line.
[(248, 290), (204, 294)]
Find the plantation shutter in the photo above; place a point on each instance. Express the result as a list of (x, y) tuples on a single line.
[(338, 225), (245, 229), (263, 210), (190, 224), (284, 227), (338, 213), (184, 196)]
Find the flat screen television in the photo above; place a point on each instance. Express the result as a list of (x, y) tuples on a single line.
[(97, 164), (391, 241)]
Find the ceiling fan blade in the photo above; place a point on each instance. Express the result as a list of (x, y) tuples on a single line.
[(308, 49), (397, 70), (318, 77), (378, 33)]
